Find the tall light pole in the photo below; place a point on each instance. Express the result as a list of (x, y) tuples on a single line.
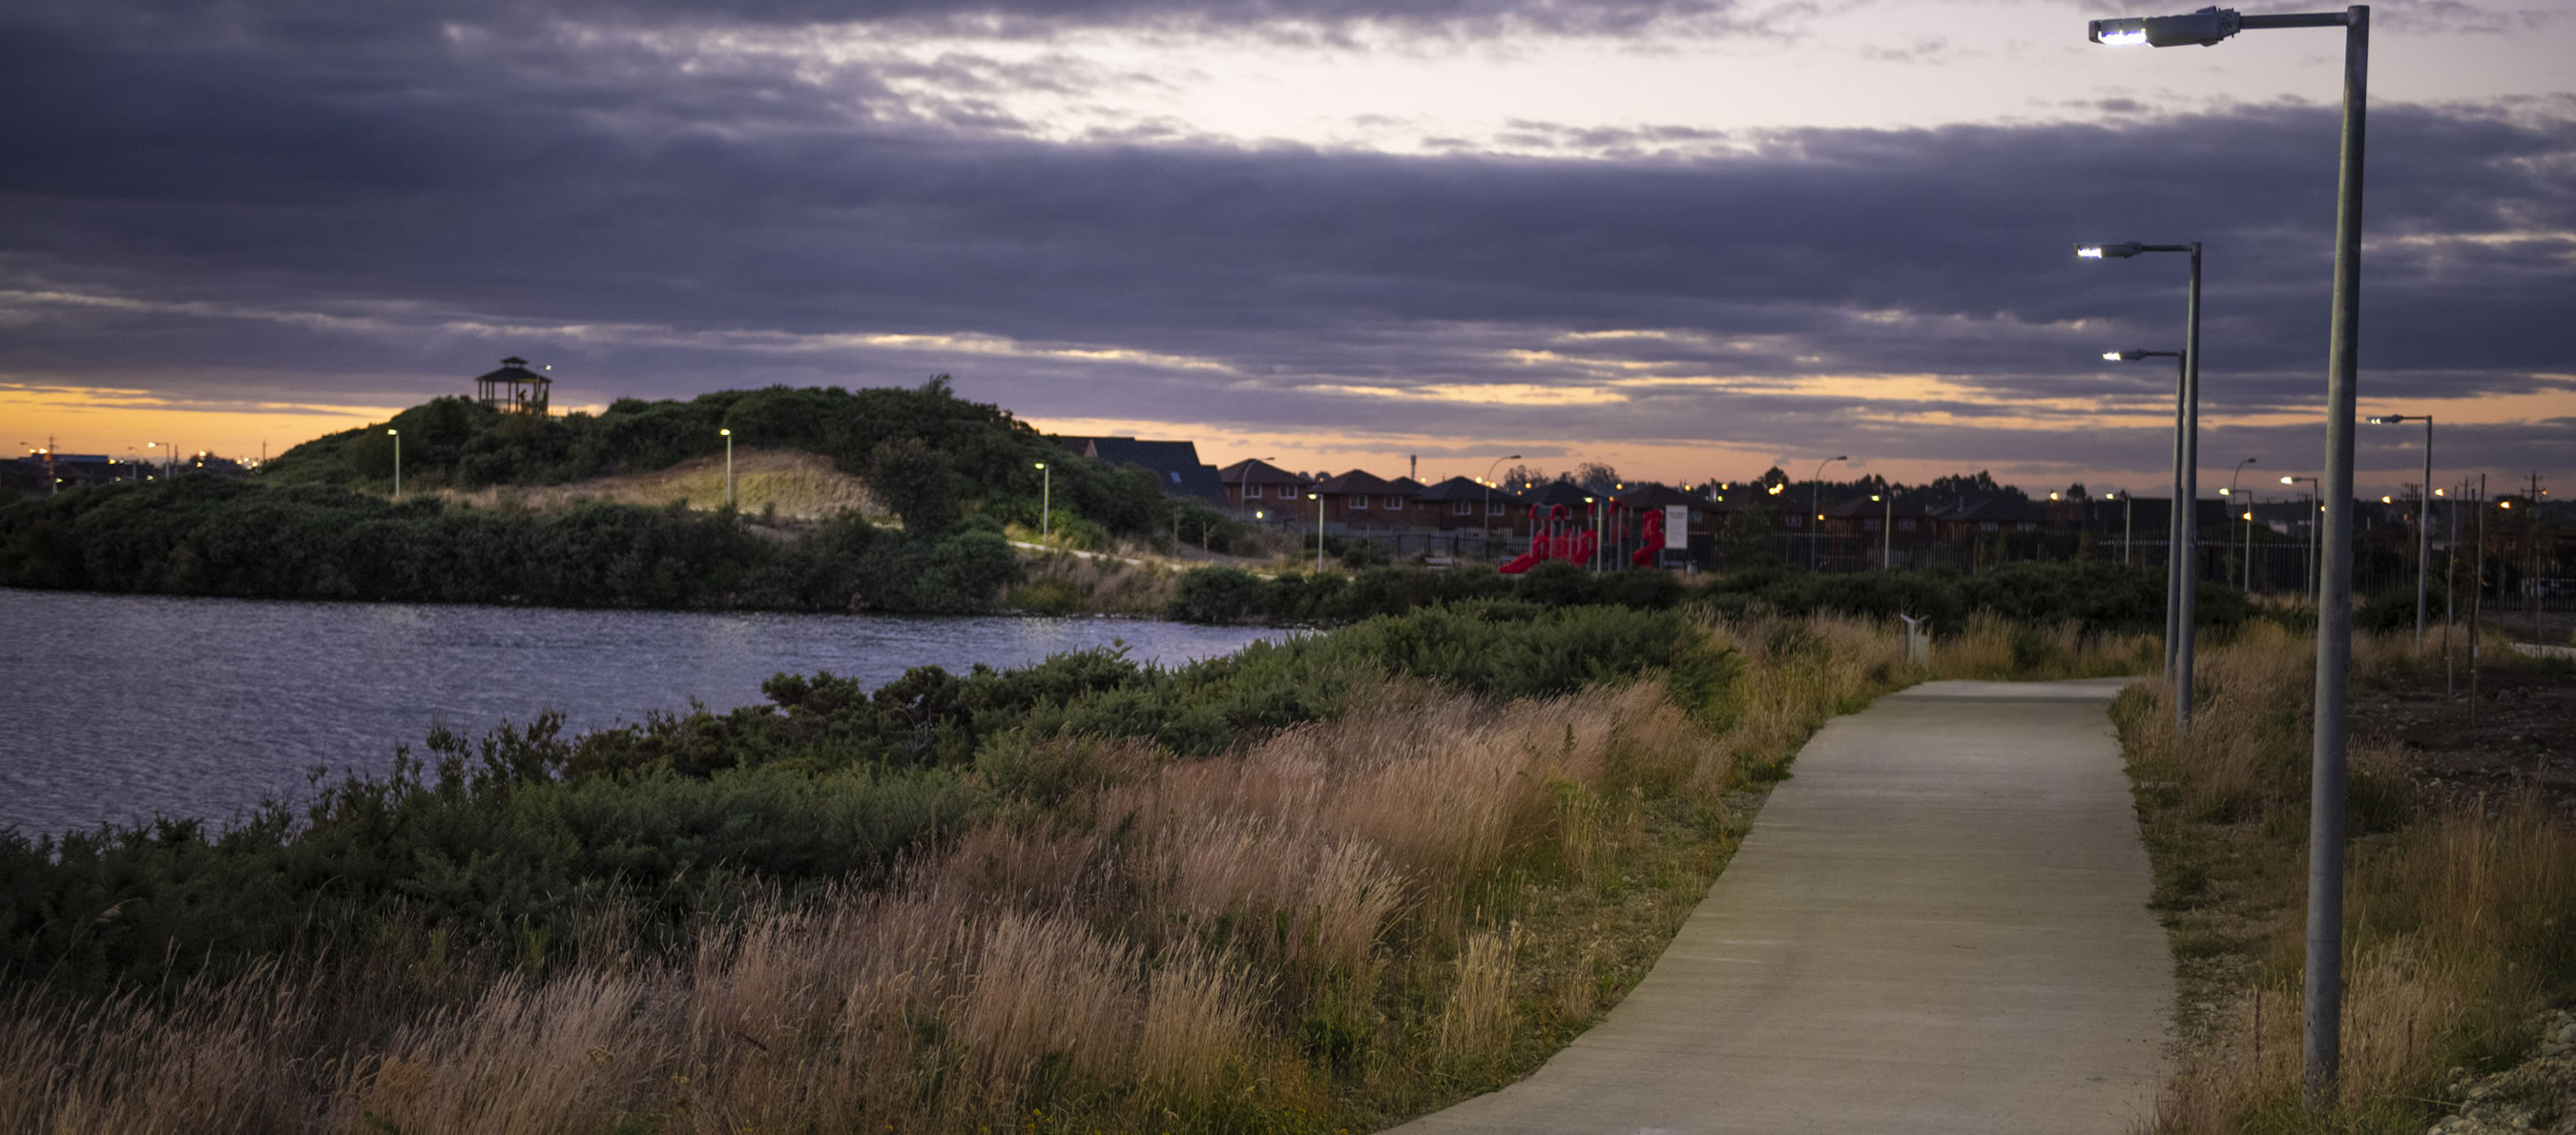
[(2181, 585), (2424, 519), (2231, 493), (1046, 499), (1887, 532), (1815, 494), (727, 434), (1487, 520), (397, 436), (1318, 498), (2322, 1003), (167, 452), (2249, 547), (2309, 585), (2183, 571)]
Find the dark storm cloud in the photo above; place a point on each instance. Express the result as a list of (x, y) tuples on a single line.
[(328, 207)]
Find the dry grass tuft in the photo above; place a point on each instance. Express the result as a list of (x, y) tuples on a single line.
[(796, 484), (2455, 917)]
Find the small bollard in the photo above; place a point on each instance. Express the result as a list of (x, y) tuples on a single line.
[(1918, 640)]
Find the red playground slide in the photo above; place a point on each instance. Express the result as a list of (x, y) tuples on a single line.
[(1651, 540)]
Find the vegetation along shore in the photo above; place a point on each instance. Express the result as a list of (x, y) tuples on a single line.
[(1313, 886)]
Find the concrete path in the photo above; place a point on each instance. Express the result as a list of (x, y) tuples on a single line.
[(1938, 924)]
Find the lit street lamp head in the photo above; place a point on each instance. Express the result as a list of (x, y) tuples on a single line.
[(2121, 251), (2199, 29), (2392, 419), (2133, 356)]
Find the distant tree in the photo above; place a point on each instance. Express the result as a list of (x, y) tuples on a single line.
[(1597, 477), (1519, 475), (917, 482), (1745, 539), (1774, 477), (2075, 492)]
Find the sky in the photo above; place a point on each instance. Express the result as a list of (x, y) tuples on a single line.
[(1689, 238)]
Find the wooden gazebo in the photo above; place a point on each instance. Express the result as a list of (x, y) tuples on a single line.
[(514, 389)]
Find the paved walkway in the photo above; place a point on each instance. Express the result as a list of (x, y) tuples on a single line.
[(1938, 924)]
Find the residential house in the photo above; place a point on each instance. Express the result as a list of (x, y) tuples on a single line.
[(1257, 486), (1363, 500), (1464, 503), (1175, 464)]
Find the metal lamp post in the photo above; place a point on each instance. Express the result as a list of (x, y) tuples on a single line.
[(2322, 1003), (2182, 611), (2183, 537), (2309, 585), (1487, 520), (2231, 494), (1318, 498), (1046, 498), (2424, 519), (397, 436), (1887, 533), (1815, 493), (727, 434), (167, 453)]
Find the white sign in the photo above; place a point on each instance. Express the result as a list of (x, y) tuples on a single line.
[(1676, 526)]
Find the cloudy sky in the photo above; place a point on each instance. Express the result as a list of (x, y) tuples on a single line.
[(1693, 238)]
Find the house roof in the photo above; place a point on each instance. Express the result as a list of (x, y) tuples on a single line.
[(1660, 496), (1566, 493), (1361, 481), (1998, 509), (1259, 472), (1175, 464), (1466, 489)]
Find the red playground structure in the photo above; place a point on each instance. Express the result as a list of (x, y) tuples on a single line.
[(1553, 536)]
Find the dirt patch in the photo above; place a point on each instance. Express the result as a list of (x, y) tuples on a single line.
[(2519, 734)]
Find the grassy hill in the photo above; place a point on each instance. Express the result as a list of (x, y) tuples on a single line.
[(922, 450), (618, 509)]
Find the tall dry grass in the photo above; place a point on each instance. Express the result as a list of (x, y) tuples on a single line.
[(790, 484), (1056, 583), (1315, 928), (2456, 917)]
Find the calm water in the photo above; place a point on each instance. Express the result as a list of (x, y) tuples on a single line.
[(119, 706)]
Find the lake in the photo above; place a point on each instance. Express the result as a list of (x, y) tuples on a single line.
[(121, 706)]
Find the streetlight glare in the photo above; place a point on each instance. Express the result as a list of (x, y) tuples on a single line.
[(2288, 480), (2199, 29), (2120, 251)]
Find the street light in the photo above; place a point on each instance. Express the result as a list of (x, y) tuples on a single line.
[(397, 436), (1886, 533), (1046, 498), (1488, 519), (2181, 608), (2309, 584), (2182, 574), (1815, 490), (2249, 532), (1318, 498), (166, 454), (2424, 521), (727, 434), (2322, 1002)]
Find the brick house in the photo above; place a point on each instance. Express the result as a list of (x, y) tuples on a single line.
[(1254, 485), (1363, 500)]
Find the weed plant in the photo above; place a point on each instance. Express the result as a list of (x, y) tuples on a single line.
[(2456, 917)]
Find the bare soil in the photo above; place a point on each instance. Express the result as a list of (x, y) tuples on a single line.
[(2519, 733)]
